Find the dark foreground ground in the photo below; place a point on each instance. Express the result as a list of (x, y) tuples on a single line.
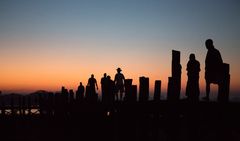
[(151, 121)]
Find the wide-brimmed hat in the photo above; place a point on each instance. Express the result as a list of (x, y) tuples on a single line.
[(119, 69)]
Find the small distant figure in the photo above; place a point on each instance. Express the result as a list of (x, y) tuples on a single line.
[(119, 83), (80, 92), (92, 82), (193, 69), (213, 66), (104, 86)]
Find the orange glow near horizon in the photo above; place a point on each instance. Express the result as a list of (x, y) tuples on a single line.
[(26, 70), (30, 80), (47, 44)]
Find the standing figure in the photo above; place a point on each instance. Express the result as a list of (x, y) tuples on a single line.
[(104, 87), (119, 83), (193, 69), (213, 66), (92, 82), (80, 92)]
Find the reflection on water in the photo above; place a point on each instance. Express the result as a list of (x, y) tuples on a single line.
[(17, 112)]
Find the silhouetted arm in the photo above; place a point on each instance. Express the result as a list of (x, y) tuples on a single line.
[(115, 79), (219, 57), (96, 84), (123, 78), (199, 69), (88, 84)]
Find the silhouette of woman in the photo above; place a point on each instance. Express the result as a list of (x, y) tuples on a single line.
[(193, 69), (92, 82)]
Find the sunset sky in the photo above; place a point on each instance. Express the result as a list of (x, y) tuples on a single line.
[(47, 44)]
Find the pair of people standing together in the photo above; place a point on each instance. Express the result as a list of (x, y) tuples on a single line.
[(213, 69)]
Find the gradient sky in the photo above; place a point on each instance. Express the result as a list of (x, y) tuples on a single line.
[(49, 43)]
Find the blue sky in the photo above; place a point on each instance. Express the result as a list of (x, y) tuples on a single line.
[(140, 18), (137, 35)]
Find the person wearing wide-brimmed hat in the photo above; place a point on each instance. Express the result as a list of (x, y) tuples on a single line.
[(119, 83)]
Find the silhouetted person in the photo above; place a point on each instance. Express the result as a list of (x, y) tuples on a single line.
[(193, 69), (213, 66), (80, 92), (92, 82), (119, 83), (104, 86)]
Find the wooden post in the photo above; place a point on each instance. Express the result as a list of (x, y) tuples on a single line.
[(157, 90), (223, 93), (12, 106), (174, 85), (143, 89), (128, 86), (170, 89), (29, 105), (134, 93)]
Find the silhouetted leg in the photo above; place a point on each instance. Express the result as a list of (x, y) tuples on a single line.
[(121, 96), (220, 96), (207, 90)]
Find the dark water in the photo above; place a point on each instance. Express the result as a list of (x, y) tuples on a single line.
[(151, 121)]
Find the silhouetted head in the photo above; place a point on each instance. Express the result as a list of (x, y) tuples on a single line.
[(209, 44), (192, 57), (92, 76), (80, 83), (119, 69), (108, 77), (105, 74)]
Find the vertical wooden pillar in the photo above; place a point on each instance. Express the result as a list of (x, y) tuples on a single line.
[(127, 85), (29, 104), (157, 90), (134, 93), (174, 85), (143, 89), (223, 92)]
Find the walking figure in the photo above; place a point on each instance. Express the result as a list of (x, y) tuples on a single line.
[(119, 84), (92, 82), (193, 69), (213, 66)]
